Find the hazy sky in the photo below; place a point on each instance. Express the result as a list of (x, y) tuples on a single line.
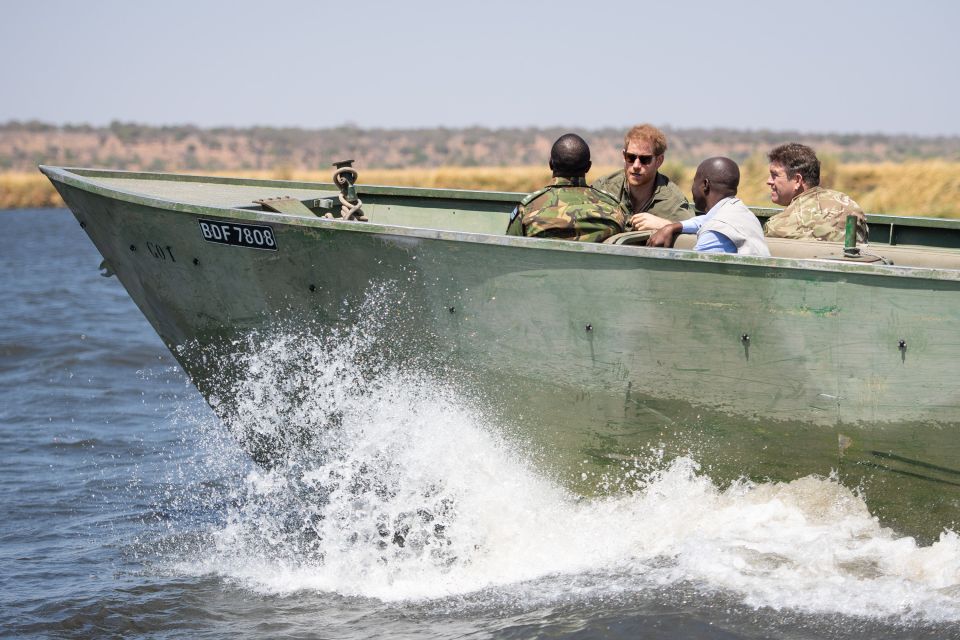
[(837, 66)]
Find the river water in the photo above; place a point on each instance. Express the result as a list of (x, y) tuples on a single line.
[(129, 511)]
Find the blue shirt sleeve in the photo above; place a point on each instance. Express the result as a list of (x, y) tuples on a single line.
[(692, 225), (714, 242)]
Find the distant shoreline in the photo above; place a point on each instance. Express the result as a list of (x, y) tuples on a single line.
[(884, 173), (136, 147), (921, 188)]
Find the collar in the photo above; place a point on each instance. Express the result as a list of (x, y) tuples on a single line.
[(809, 193), (659, 181), (580, 181), (716, 208)]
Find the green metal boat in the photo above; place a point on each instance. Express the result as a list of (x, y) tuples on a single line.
[(807, 362)]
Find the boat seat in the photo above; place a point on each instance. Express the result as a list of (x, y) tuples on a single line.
[(629, 237), (284, 204), (905, 256)]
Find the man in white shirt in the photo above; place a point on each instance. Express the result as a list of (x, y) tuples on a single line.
[(729, 226)]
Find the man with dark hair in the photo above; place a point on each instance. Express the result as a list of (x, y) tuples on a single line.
[(640, 186), (812, 212), (729, 226), (568, 209)]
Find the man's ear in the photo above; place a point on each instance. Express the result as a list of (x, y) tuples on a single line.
[(551, 164), (799, 183), (587, 170)]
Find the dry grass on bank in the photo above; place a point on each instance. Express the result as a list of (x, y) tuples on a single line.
[(929, 188), (27, 191), (922, 188)]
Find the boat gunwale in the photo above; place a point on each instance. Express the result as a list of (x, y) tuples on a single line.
[(454, 194), (75, 177), (434, 192)]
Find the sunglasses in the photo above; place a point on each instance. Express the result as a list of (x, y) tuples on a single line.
[(630, 158)]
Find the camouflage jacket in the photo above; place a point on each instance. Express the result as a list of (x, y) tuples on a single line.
[(817, 214), (667, 201), (568, 209)]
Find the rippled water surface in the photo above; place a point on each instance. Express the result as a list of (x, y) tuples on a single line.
[(128, 510)]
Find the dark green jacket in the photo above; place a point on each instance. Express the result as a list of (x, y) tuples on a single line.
[(667, 201)]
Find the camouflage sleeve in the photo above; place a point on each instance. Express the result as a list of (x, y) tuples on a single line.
[(515, 226), (609, 198)]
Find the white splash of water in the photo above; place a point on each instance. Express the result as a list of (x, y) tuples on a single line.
[(410, 494)]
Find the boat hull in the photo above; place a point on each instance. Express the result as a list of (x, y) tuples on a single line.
[(593, 356)]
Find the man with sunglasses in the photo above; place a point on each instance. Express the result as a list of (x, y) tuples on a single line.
[(568, 208), (640, 187), (812, 212)]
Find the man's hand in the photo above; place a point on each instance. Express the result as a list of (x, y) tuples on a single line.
[(647, 222), (666, 236)]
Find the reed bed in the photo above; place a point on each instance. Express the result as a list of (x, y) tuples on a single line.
[(924, 188), (27, 191)]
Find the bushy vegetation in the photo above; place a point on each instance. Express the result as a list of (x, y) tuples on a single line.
[(138, 146)]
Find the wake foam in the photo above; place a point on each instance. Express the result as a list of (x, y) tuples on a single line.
[(401, 490)]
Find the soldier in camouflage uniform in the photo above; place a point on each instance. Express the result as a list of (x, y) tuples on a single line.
[(812, 212), (640, 187), (568, 209)]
